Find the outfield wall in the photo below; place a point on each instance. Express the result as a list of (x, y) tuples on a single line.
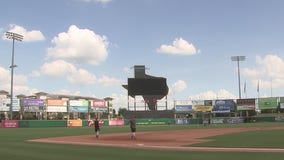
[(161, 121)]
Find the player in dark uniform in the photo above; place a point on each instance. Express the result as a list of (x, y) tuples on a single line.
[(132, 123), (97, 128)]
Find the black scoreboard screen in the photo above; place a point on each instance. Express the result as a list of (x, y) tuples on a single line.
[(147, 86)]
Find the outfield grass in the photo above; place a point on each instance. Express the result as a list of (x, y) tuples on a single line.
[(14, 147)]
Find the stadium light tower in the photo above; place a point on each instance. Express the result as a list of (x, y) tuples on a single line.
[(238, 59), (17, 37)]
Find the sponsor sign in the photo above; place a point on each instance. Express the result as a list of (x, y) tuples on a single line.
[(235, 120), (183, 103), (182, 121), (281, 105), (267, 103), (33, 105), (223, 106), (198, 102), (116, 122), (56, 109), (91, 123), (80, 109), (33, 108), (56, 102), (79, 103), (33, 102), (98, 103), (74, 123), (56, 106), (81, 106), (98, 109), (184, 108), (282, 102), (5, 104), (10, 124), (217, 121), (245, 104), (98, 106), (202, 108)]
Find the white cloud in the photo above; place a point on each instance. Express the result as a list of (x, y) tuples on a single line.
[(179, 47), (221, 94), (107, 81), (74, 75), (119, 101), (58, 68), (29, 36), (268, 69), (178, 87), (81, 46), (4, 79), (20, 83), (82, 77)]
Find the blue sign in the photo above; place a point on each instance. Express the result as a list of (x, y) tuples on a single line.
[(184, 108), (223, 106)]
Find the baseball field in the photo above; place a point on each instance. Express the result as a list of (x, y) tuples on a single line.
[(255, 141)]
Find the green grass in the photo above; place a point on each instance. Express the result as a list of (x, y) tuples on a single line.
[(13, 144), (251, 139)]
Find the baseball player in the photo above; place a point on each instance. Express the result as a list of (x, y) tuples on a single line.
[(132, 123), (97, 128)]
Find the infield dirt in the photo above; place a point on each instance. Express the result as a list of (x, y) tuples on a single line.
[(163, 140)]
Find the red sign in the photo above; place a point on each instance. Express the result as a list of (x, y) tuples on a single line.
[(10, 124), (99, 104), (116, 122)]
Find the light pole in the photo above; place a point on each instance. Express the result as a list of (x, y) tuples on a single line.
[(17, 37), (238, 59)]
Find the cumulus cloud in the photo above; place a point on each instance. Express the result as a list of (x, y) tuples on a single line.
[(58, 68), (82, 77), (179, 47), (221, 94), (61, 68), (178, 87), (74, 75), (108, 81), (4, 78), (81, 46), (29, 36), (268, 68), (20, 83)]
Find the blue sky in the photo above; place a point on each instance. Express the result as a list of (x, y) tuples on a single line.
[(87, 47)]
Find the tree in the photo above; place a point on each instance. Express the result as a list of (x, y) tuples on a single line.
[(121, 111)]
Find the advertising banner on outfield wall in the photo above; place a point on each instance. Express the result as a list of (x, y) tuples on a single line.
[(5, 104), (245, 104), (116, 122), (10, 124), (74, 123), (224, 106), (267, 103)]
